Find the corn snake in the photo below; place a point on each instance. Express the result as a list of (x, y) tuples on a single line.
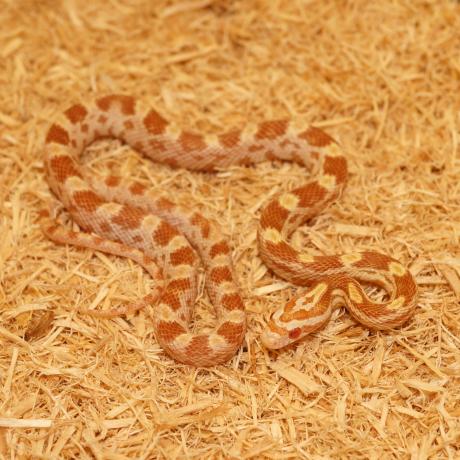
[(122, 217)]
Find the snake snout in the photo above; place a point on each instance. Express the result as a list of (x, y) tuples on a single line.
[(273, 340)]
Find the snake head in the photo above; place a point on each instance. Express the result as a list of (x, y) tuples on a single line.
[(276, 337), (302, 315)]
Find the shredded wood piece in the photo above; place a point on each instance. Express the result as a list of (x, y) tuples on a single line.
[(41, 327), (25, 423)]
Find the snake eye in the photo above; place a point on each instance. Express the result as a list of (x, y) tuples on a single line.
[(294, 334)]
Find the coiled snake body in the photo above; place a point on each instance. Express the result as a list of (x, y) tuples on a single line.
[(169, 241)]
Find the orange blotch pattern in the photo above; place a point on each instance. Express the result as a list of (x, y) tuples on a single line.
[(316, 137), (272, 129), (202, 223), (183, 256), (233, 302), (137, 189), (126, 103), (129, 217), (336, 166), (87, 200), (229, 140), (219, 248), (191, 142), (274, 216), (164, 233), (232, 332), (168, 331), (155, 123), (58, 135), (199, 347), (219, 274), (76, 114), (63, 167), (112, 181)]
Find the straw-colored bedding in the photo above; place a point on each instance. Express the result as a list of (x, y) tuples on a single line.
[(381, 77)]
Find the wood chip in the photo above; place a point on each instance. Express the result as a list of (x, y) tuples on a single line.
[(452, 278), (40, 327), (25, 423)]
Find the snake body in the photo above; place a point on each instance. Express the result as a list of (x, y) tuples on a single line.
[(122, 217)]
